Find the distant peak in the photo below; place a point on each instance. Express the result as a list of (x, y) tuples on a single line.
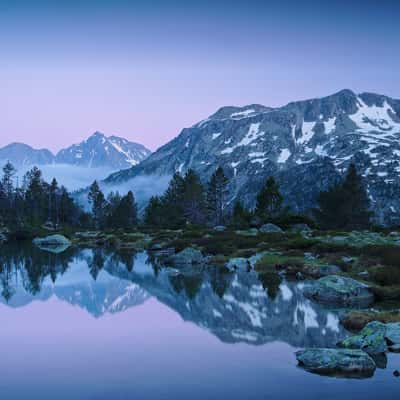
[(344, 92), (99, 134)]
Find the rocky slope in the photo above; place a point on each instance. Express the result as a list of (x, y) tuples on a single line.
[(307, 145)]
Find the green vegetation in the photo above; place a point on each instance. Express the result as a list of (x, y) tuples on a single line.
[(356, 320)]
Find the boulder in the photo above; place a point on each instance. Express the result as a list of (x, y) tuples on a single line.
[(337, 362), (393, 334), (53, 243), (238, 263), (309, 256), (188, 256), (325, 270), (337, 289), (300, 228), (371, 339), (270, 228), (219, 228)]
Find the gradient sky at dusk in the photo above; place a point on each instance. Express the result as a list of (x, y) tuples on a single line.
[(146, 69)]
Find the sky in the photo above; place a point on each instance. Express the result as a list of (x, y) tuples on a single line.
[(144, 70)]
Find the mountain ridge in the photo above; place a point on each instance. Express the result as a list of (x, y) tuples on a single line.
[(98, 150), (307, 145)]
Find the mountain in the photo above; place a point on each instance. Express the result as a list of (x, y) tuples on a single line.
[(307, 145), (23, 155), (100, 150)]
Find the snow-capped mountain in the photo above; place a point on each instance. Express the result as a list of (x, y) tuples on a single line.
[(23, 155), (306, 145), (100, 150)]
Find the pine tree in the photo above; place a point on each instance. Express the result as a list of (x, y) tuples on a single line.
[(131, 210), (216, 196), (269, 200), (7, 181), (345, 205), (53, 202), (153, 214), (193, 199), (99, 204), (240, 216), (36, 196), (172, 202)]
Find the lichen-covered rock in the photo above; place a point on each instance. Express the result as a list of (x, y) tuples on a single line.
[(336, 289), (337, 362), (270, 228), (371, 339), (393, 333), (325, 270), (188, 256), (238, 263)]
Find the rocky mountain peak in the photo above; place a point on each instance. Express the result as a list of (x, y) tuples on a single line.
[(305, 144)]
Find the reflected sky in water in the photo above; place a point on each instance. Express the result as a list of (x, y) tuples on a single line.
[(99, 325)]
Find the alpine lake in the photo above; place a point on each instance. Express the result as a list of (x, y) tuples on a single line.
[(101, 323)]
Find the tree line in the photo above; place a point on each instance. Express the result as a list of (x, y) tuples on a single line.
[(36, 202), (187, 201)]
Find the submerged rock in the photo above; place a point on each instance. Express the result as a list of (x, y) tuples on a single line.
[(337, 362), (371, 339), (53, 243), (339, 290), (270, 228)]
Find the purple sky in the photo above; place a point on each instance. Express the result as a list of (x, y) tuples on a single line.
[(146, 71)]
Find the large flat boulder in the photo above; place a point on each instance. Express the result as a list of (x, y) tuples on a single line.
[(336, 362), (335, 289)]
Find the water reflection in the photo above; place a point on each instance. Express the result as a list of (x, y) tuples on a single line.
[(234, 307)]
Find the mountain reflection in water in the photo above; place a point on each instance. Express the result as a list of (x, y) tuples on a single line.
[(242, 307)]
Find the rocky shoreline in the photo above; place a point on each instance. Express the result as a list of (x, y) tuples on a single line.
[(345, 270)]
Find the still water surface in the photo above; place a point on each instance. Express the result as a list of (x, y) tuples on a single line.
[(90, 324)]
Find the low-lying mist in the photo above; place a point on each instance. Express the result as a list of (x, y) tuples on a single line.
[(72, 177), (143, 187)]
